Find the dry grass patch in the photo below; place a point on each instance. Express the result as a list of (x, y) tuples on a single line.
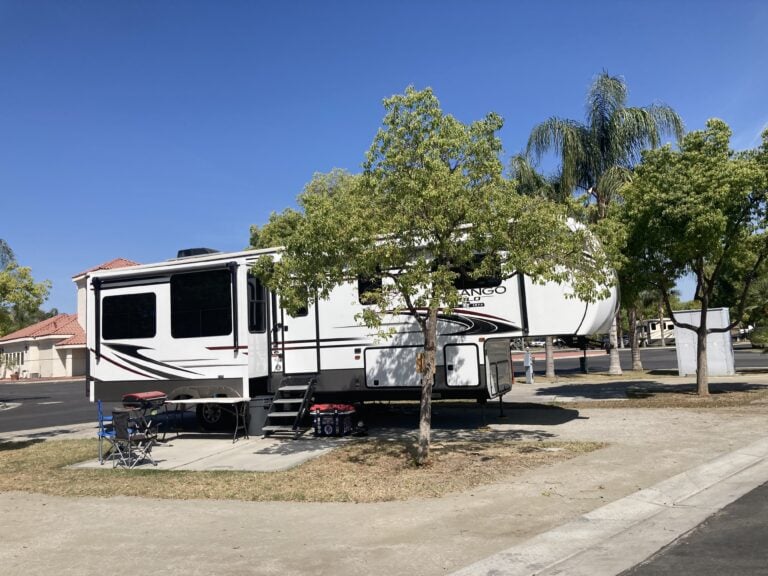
[(361, 471)]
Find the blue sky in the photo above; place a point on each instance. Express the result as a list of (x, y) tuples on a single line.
[(137, 128)]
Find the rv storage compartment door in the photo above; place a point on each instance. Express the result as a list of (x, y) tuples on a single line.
[(498, 371), (462, 365), (391, 366)]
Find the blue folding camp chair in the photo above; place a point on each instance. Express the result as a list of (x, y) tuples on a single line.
[(106, 432)]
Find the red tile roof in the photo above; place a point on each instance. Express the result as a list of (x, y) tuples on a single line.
[(111, 265), (60, 325)]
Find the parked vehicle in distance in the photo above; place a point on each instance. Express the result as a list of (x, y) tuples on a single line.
[(649, 332)]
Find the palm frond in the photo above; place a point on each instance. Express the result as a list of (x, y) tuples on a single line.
[(612, 181), (607, 95), (637, 129), (569, 140)]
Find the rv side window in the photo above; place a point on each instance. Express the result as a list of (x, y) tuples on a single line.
[(201, 304), (128, 316), (466, 281), (257, 305), (301, 312), (365, 286)]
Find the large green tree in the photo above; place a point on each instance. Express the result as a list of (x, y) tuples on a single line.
[(19, 293), (430, 202), (700, 210), (596, 156)]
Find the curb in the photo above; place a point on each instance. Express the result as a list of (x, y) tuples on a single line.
[(622, 534)]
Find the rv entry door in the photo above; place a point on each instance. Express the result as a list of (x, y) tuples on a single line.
[(299, 342)]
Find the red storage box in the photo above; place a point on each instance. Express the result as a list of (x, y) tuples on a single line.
[(153, 399)]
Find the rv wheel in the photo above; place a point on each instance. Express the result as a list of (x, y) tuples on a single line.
[(213, 417)]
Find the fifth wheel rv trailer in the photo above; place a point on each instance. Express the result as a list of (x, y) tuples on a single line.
[(203, 326)]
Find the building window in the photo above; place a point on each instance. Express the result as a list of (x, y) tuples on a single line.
[(128, 316), (257, 305), (201, 304)]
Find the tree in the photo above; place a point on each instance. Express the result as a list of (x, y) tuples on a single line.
[(20, 296), (701, 210), (6, 254), (596, 157), (431, 202), (18, 291)]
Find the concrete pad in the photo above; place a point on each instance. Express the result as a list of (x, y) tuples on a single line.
[(203, 452)]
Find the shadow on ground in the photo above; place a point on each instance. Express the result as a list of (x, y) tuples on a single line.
[(631, 388), (466, 420), (7, 445)]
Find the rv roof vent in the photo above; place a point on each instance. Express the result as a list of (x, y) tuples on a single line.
[(187, 252)]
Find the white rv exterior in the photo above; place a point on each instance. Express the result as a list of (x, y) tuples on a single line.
[(203, 326)]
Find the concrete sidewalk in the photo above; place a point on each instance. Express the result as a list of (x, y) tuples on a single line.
[(662, 472)]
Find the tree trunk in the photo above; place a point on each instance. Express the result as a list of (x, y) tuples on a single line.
[(619, 330), (702, 373), (661, 325), (428, 365), (634, 344), (549, 353), (614, 368)]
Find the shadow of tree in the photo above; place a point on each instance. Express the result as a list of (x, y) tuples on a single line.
[(8, 445), (303, 445), (623, 389), (448, 416)]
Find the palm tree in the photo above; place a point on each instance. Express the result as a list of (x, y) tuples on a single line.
[(596, 157), (531, 182)]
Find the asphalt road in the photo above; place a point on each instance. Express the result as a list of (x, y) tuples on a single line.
[(732, 541), (40, 404)]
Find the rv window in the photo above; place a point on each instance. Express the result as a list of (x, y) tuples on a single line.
[(257, 305), (365, 286), (128, 316), (465, 280), (201, 304)]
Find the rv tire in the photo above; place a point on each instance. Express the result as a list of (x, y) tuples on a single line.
[(213, 417)]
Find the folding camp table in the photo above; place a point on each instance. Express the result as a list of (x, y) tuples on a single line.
[(237, 406)]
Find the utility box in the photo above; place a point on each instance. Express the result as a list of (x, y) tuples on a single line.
[(720, 361), (258, 409)]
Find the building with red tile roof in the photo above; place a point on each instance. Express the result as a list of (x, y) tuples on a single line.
[(54, 347)]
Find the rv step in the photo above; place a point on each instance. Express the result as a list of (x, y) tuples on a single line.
[(297, 398), (274, 428), (283, 414), (293, 388)]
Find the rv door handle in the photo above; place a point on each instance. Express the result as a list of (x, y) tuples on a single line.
[(450, 366)]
